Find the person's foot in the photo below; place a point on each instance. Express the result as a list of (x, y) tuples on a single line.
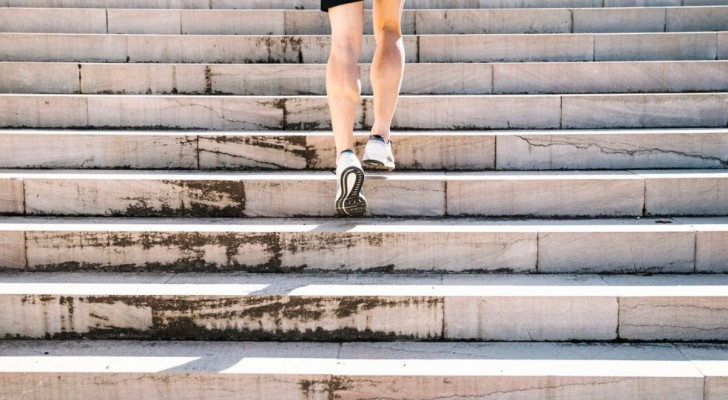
[(350, 201), (378, 154)]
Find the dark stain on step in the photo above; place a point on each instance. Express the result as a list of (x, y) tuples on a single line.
[(196, 199), (193, 249), (208, 79), (293, 144), (239, 318), (315, 388), (284, 49)]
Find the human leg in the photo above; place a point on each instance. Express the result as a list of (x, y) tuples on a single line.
[(388, 63), (343, 90), (343, 87)]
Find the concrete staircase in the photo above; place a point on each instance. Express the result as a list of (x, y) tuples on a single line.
[(557, 227)]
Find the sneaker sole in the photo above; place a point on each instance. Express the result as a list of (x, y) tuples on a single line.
[(378, 165), (350, 203)]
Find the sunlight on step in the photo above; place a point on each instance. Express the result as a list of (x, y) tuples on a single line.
[(92, 364)]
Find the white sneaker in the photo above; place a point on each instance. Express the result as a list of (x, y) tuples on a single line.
[(350, 201), (378, 154)]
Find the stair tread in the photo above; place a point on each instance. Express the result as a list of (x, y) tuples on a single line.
[(363, 285), (115, 224), (80, 174), (425, 359)]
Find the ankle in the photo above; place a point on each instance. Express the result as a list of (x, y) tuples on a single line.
[(381, 136)]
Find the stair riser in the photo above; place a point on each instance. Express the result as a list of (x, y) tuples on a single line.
[(616, 195), (315, 49), (521, 251), (244, 79), (413, 112), (444, 151), (354, 318), (280, 22), (606, 151), (119, 386)]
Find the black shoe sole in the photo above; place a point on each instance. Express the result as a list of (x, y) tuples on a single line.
[(374, 164), (350, 203)]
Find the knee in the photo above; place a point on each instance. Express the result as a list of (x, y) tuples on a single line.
[(345, 52), (388, 35)]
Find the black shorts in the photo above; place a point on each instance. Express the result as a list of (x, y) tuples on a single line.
[(326, 4)]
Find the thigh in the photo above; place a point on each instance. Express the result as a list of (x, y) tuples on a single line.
[(347, 25), (388, 15)]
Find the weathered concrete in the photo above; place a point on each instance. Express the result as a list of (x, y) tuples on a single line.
[(412, 151), (711, 241), (705, 193), (489, 48), (244, 49), (227, 308), (260, 152), (655, 46), (39, 77), (712, 362), (401, 195), (606, 20), (697, 19), (476, 112), (412, 251), (144, 79), (222, 22), (202, 112), (144, 21), (79, 149), (642, 111), (425, 78), (413, 112), (12, 250), (62, 47), (611, 77), (658, 309), (485, 311), (616, 246), (41, 111), (545, 194), (12, 196), (698, 148), (404, 194), (265, 245), (244, 370), (723, 46), (135, 194), (494, 21), (46, 20)]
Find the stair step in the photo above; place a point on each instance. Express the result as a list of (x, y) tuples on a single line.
[(413, 150), (425, 194), (419, 78), (313, 22), (465, 112), (314, 4), (682, 245), (315, 48), (499, 371), (365, 307)]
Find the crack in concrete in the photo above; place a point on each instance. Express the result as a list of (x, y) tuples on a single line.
[(211, 109), (613, 150), (258, 163)]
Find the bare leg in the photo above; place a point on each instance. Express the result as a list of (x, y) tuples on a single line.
[(343, 87), (388, 63)]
